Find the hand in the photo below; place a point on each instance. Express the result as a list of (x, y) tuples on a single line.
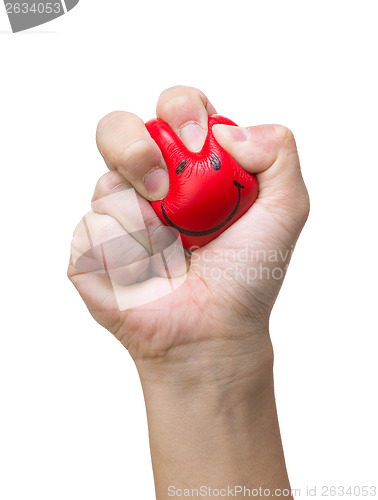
[(232, 282), (212, 331)]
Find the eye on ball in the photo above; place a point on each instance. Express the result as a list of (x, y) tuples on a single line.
[(208, 190)]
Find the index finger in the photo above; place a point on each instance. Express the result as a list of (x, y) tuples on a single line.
[(126, 146)]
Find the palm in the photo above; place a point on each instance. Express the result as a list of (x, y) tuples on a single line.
[(234, 280), (218, 284)]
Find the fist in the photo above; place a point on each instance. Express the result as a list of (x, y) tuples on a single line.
[(208, 191)]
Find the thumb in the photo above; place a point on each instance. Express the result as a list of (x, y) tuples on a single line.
[(270, 152)]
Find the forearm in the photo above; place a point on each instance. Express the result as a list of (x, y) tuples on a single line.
[(214, 424)]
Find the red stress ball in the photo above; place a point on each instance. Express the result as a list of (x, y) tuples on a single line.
[(208, 191)]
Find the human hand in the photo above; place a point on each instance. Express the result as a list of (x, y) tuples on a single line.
[(203, 351), (233, 281)]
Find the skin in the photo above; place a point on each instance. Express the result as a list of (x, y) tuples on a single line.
[(203, 352)]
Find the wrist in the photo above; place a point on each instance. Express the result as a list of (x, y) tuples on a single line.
[(222, 367)]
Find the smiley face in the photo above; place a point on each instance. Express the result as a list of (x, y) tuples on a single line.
[(215, 163), (208, 191)]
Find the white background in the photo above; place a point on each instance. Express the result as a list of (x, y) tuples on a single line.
[(72, 418)]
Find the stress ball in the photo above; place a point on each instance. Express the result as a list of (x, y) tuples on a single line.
[(208, 191)]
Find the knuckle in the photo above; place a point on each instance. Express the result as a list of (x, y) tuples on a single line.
[(125, 251), (78, 249), (174, 99), (80, 242), (106, 183), (302, 205), (129, 155), (285, 135), (305, 205), (176, 103), (107, 119), (69, 272), (175, 89), (106, 229), (80, 226), (100, 228), (135, 152)]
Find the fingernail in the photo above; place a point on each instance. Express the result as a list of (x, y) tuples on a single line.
[(193, 136), (157, 183), (230, 132)]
